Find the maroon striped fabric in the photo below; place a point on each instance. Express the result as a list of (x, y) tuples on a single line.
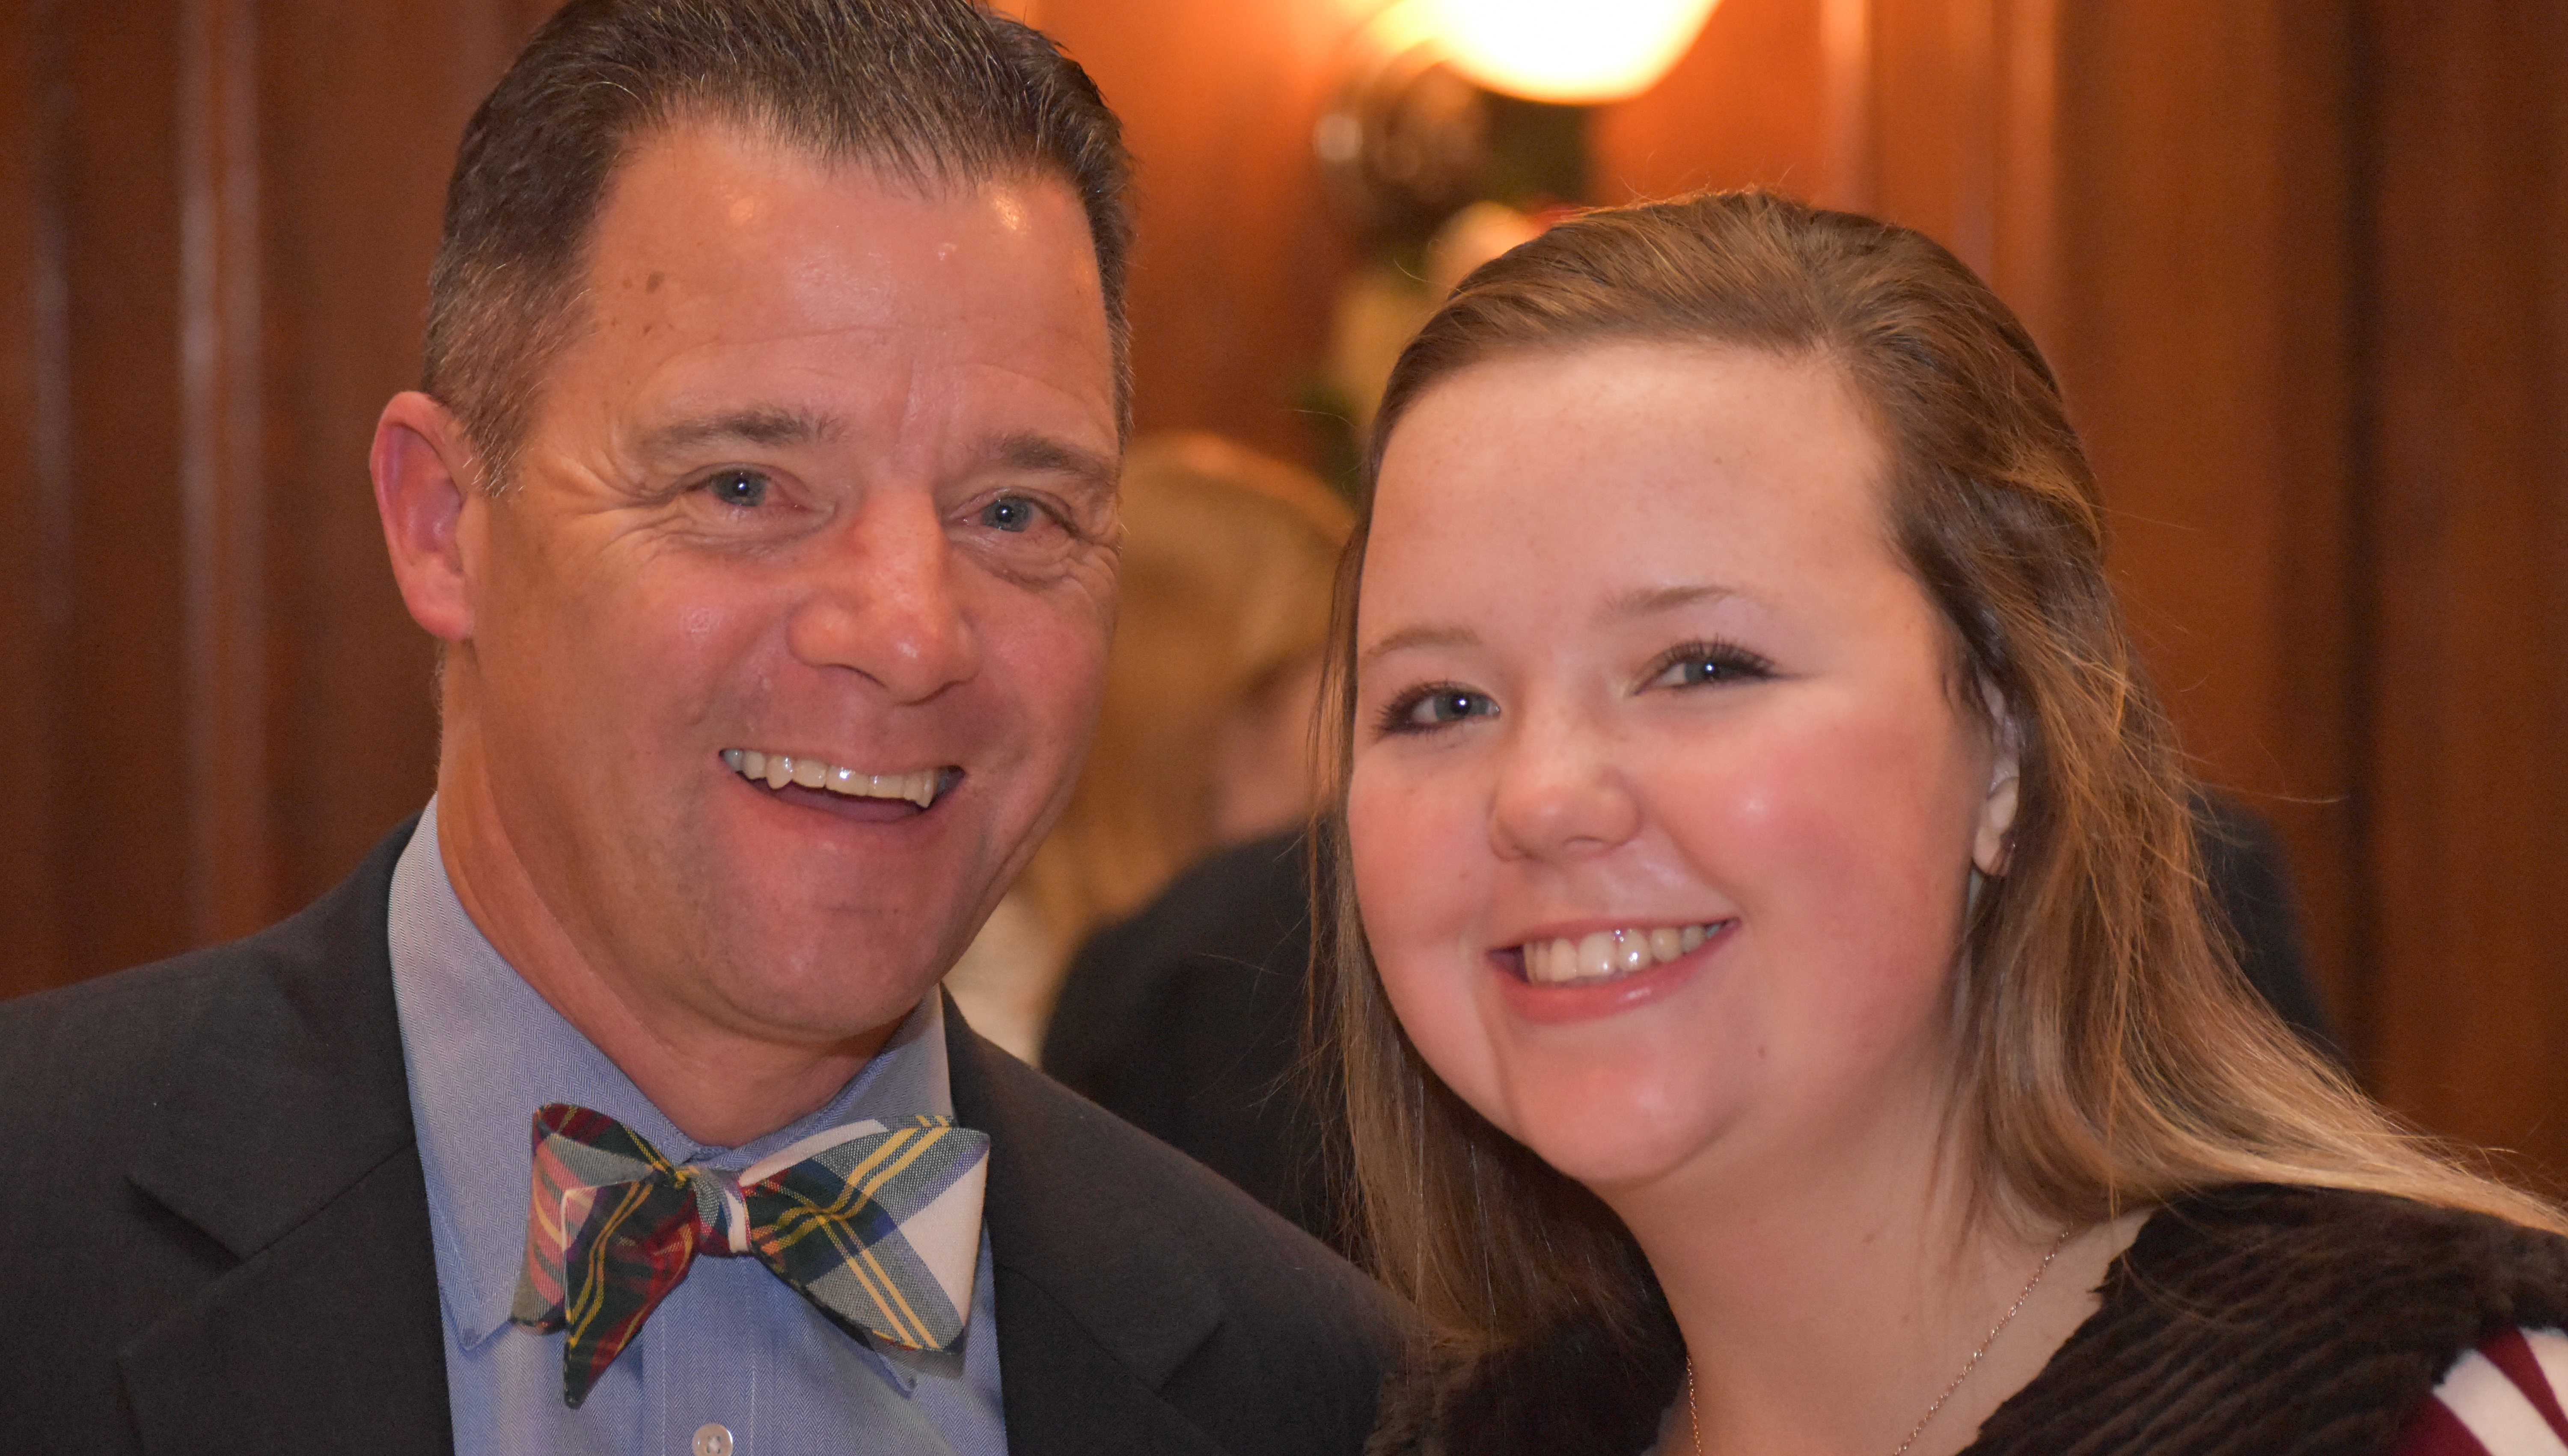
[(2503, 1399)]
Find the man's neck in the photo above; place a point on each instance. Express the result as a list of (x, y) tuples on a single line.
[(719, 1086)]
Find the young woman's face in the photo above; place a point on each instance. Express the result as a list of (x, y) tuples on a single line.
[(1662, 810)]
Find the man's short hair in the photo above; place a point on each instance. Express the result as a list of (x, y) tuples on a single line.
[(927, 91)]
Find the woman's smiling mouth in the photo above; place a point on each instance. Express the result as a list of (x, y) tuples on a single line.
[(1609, 954)]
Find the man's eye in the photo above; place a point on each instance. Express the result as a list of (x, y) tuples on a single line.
[(1424, 708), (1014, 513), (741, 489)]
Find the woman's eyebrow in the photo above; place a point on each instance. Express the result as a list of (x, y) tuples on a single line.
[(1423, 635), (1625, 606)]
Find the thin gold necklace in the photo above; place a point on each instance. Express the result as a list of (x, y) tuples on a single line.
[(1693, 1416)]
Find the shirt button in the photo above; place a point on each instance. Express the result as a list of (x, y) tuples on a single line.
[(712, 1439)]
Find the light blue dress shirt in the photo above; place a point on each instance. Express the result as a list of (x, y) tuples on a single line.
[(732, 1362)]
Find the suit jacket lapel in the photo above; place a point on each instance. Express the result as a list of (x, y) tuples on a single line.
[(1095, 1307), (286, 1143)]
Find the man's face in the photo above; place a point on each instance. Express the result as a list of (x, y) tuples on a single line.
[(828, 478)]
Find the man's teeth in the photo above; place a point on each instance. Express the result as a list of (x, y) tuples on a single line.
[(1610, 953), (778, 770)]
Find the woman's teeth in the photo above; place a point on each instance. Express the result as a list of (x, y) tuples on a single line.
[(1610, 953), (777, 770)]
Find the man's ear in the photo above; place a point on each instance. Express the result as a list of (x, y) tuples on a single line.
[(425, 486), (1996, 809)]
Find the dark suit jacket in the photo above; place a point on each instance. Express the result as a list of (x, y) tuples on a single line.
[(217, 1233), (1187, 1020)]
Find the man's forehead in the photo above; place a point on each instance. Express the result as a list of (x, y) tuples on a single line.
[(741, 297), (745, 164), (723, 224)]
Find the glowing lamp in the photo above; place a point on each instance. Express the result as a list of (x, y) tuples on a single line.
[(1574, 52)]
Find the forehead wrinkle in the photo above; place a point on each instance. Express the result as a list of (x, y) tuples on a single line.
[(771, 425)]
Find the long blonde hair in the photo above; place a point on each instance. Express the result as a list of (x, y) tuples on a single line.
[(2112, 1054), (1223, 591)]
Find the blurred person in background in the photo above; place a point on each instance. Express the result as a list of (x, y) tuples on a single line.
[(1203, 739)]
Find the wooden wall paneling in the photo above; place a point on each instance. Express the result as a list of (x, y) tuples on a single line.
[(222, 476), (2467, 668), (1233, 279), (1960, 116), (2025, 180), (1933, 118), (33, 547), (1845, 100), (1745, 106), (2309, 741), (214, 256), (361, 108), (1935, 113), (2203, 227), (118, 671)]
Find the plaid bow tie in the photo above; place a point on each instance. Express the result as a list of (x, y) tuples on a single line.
[(878, 1227)]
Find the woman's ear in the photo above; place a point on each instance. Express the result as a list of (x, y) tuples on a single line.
[(1997, 807)]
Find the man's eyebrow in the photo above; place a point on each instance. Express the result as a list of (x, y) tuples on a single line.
[(777, 425), (1026, 451), (1425, 633)]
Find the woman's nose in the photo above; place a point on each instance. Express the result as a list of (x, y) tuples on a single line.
[(887, 601), (1559, 792)]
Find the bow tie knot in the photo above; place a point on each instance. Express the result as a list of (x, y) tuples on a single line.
[(878, 1227)]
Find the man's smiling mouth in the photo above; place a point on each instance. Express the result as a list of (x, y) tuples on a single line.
[(777, 770)]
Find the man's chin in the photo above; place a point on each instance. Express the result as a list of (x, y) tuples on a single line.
[(818, 995), (799, 954)]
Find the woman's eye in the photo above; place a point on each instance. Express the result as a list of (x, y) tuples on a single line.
[(1013, 513), (1698, 664), (1436, 707), (740, 488)]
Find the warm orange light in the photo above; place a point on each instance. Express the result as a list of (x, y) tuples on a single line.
[(1570, 51)]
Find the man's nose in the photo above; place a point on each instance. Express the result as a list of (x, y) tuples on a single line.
[(887, 601), (1559, 792)]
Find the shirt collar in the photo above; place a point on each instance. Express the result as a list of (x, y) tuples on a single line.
[(484, 1050)]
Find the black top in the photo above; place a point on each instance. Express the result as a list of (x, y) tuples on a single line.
[(1187, 1020)]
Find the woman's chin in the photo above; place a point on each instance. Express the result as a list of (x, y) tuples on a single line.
[(1611, 1155)]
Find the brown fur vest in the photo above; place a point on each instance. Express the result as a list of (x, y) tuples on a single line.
[(2246, 1321)]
